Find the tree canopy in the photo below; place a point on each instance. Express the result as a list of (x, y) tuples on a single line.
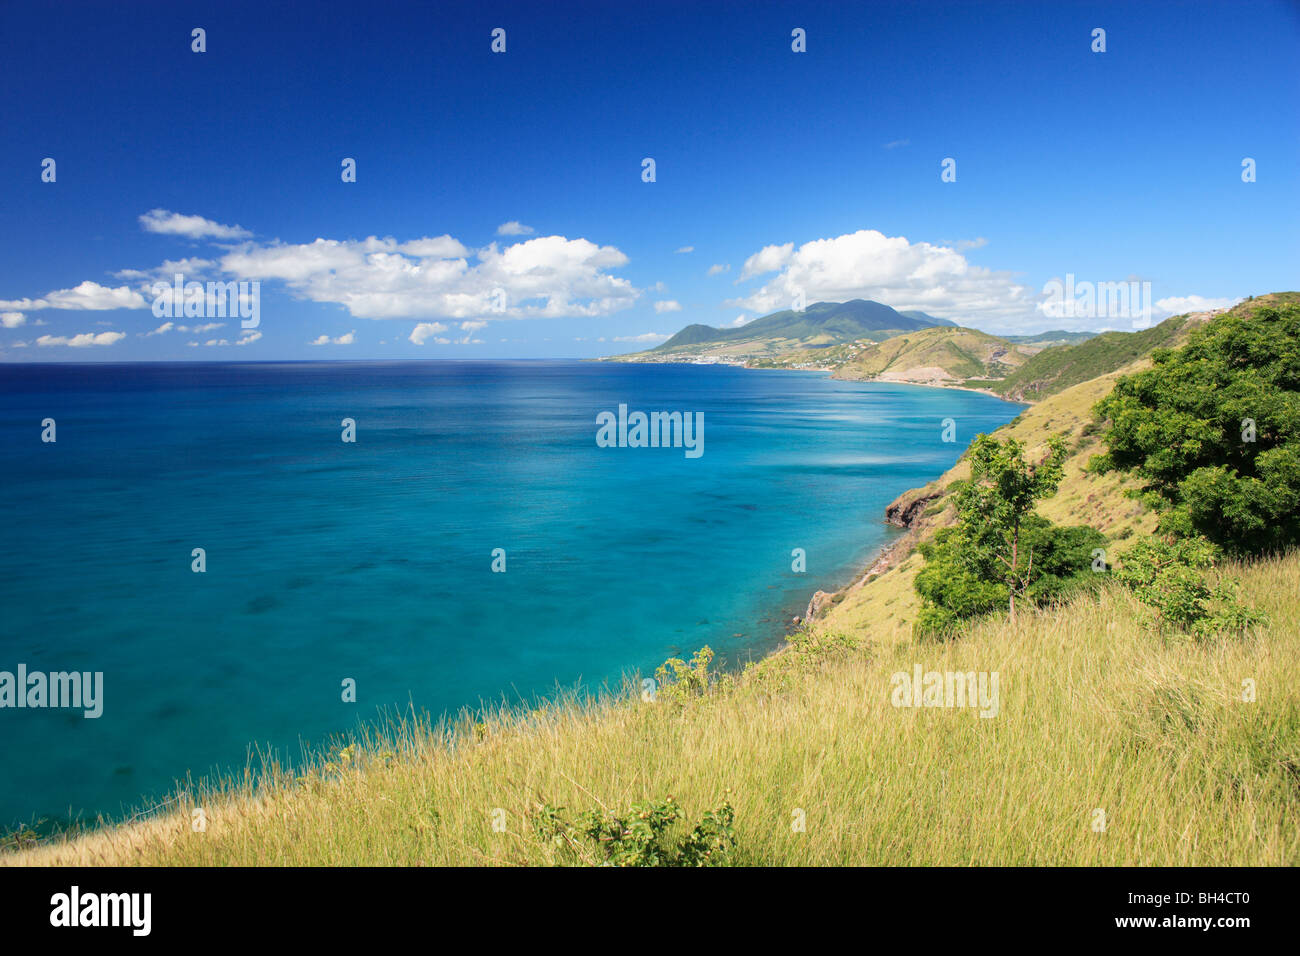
[(1213, 429)]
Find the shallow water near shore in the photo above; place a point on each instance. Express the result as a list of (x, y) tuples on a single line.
[(372, 560)]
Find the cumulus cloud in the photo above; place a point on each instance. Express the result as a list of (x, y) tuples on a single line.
[(514, 228), (767, 259), (717, 269), (83, 340), (248, 337), (11, 320), (88, 296), (870, 265), (685, 249), (347, 339), (668, 305), (550, 276), (425, 331), (169, 223)]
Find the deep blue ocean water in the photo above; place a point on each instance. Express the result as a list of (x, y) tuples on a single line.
[(372, 560)]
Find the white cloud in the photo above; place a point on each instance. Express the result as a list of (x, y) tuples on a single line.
[(82, 340), (894, 144), (685, 249), (514, 228), (425, 331), (191, 268), (740, 320), (668, 305), (191, 227), (643, 337), (767, 259), (717, 269), (546, 277), (890, 269), (88, 296), (438, 247), (248, 337), (165, 327), (11, 320), (1179, 304), (347, 339)]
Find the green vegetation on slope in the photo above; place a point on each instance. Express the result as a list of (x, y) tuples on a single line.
[(1057, 368), (1214, 430), (1054, 369)]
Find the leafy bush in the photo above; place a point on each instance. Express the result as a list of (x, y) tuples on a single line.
[(680, 681), (1168, 575), (638, 837), (1214, 430)]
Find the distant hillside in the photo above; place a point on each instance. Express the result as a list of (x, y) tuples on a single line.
[(1044, 340), (789, 337), (1055, 369), (926, 318), (935, 356)]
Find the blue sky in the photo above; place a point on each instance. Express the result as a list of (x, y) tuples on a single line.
[(780, 171)]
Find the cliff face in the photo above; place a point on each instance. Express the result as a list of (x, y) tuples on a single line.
[(906, 510)]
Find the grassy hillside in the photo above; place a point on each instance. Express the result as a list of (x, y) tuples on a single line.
[(1096, 713), (1054, 369), (937, 355)]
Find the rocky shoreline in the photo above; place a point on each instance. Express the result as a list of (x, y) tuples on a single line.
[(906, 511)]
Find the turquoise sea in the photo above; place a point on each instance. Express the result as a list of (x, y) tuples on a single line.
[(372, 560)]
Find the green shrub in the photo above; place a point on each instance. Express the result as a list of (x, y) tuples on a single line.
[(680, 681), (1168, 575), (638, 837)]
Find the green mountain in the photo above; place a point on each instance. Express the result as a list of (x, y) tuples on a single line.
[(822, 329)]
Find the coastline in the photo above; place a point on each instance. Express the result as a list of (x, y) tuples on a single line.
[(831, 370), (848, 577)]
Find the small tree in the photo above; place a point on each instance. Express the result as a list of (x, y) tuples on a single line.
[(1000, 553), (993, 508)]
